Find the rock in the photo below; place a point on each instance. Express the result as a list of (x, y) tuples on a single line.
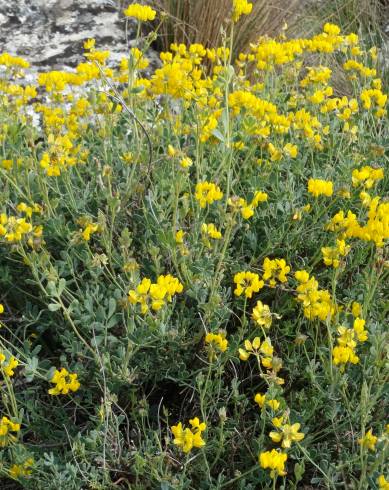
[(50, 33)]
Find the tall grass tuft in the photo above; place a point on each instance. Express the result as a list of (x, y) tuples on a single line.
[(204, 21)]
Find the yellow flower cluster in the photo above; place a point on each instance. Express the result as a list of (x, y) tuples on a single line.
[(207, 193), (217, 342), (8, 368), (263, 401), (368, 441), (140, 12), (14, 229), (274, 461), (247, 283), (88, 228), (21, 470), (155, 295), (332, 255), (247, 209), (6, 427), (61, 155), (275, 270), (286, 433), (188, 438), (262, 315), (263, 352), (9, 61), (376, 228), (64, 382), (241, 7), (318, 187), (374, 98), (317, 303), (367, 176), (383, 484), (344, 352), (353, 65), (210, 230)]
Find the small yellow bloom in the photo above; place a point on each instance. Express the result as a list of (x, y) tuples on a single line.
[(207, 193), (273, 404), (274, 461), (188, 438), (262, 315), (368, 441), (287, 434), (247, 283), (260, 399), (179, 237), (171, 151), (64, 382), (383, 484), (217, 342), (186, 162), (6, 427), (141, 12), (318, 187), (241, 7)]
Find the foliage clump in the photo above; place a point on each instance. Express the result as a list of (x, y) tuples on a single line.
[(193, 268)]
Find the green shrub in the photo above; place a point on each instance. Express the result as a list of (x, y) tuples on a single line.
[(193, 269)]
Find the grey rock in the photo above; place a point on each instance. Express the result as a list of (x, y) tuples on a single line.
[(50, 33)]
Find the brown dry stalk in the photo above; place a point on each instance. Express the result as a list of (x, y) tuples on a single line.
[(203, 21)]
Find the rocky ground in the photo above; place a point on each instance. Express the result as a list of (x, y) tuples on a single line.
[(50, 33)]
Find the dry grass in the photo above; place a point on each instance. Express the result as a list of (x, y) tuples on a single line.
[(204, 21)]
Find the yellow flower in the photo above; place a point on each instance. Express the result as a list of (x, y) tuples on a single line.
[(247, 283), (140, 12), (275, 269), (260, 399), (273, 404), (332, 255), (7, 426), (188, 438), (368, 441), (207, 193), (64, 382), (89, 44), (1, 308), (8, 368), (287, 434), (382, 483), (210, 230), (358, 326), (274, 461), (356, 309), (241, 7), (179, 237), (343, 355), (171, 151), (262, 315), (291, 150), (89, 230), (217, 342), (186, 162), (318, 187), (257, 348), (367, 176), (21, 470), (155, 295)]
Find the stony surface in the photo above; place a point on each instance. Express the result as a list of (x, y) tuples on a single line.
[(50, 33)]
